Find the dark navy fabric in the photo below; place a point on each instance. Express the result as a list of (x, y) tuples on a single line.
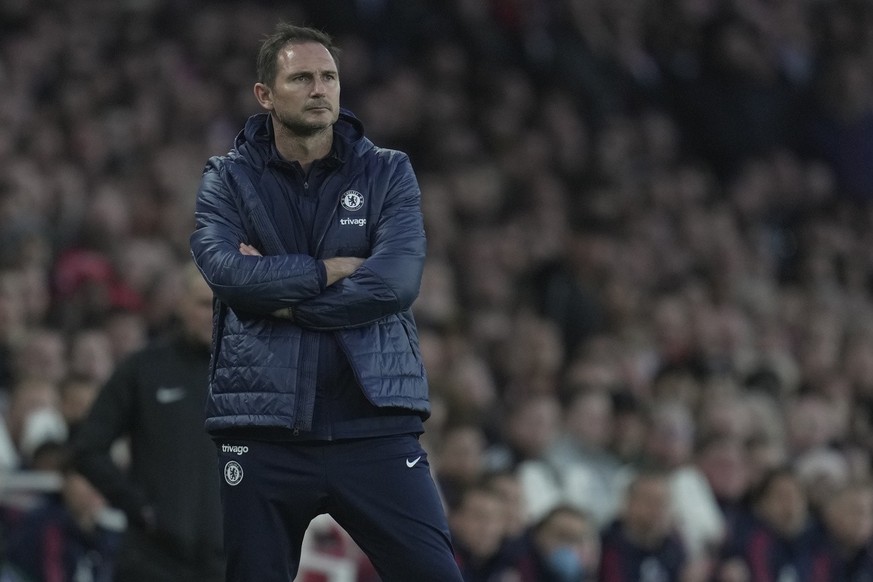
[(379, 490), (340, 409), (855, 568), (264, 370), (624, 561), (773, 557), (48, 544)]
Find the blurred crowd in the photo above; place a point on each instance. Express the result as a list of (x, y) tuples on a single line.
[(646, 313)]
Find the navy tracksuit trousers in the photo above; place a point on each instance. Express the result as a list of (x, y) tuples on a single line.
[(378, 489)]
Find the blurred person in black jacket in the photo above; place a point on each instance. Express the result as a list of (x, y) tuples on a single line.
[(169, 492)]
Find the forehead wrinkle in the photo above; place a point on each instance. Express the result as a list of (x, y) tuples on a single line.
[(290, 57)]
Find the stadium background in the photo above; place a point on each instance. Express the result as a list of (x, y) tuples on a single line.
[(649, 222)]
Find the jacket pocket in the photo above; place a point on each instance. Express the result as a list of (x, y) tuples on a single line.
[(401, 355)]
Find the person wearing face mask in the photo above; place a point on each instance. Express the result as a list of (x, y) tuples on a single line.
[(563, 546)]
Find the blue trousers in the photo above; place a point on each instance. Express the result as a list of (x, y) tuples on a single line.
[(379, 490)]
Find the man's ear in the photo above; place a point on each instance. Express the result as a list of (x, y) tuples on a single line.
[(264, 96)]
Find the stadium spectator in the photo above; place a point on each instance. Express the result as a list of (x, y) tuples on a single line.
[(530, 428), (722, 460), (90, 356), (669, 448), (478, 523), (508, 485), (564, 546), (32, 416), (782, 541), (594, 476), (591, 162), (64, 539), (642, 542), (848, 520), (459, 460)]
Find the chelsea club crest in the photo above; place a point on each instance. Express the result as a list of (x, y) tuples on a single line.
[(352, 200), (233, 473)]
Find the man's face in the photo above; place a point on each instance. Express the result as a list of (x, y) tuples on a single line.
[(784, 506), (304, 97), (480, 523), (648, 512), (849, 517)]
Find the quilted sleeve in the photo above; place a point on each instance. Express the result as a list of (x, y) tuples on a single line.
[(389, 280), (258, 285)]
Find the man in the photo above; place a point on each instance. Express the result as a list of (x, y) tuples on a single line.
[(168, 492), (563, 546), (848, 521), (478, 520), (641, 544), (312, 240), (783, 541)]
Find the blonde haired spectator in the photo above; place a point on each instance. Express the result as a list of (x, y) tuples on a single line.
[(670, 448)]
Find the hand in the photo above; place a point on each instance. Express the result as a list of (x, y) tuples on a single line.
[(284, 313), (249, 250), (339, 267)]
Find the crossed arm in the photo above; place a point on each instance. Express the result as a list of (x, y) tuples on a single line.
[(336, 268), (324, 294)]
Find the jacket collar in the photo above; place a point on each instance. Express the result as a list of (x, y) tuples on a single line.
[(256, 141)]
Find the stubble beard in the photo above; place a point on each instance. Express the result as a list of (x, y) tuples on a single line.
[(298, 127)]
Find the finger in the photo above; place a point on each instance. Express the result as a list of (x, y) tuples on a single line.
[(283, 313), (248, 250)]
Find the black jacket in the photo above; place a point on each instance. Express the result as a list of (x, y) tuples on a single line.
[(156, 399), (263, 371)]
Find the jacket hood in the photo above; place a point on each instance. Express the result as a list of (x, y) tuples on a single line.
[(256, 138)]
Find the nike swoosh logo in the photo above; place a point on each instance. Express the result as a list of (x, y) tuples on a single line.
[(168, 395), (412, 463)]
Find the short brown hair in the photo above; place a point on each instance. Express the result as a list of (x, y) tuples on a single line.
[(288, 33)]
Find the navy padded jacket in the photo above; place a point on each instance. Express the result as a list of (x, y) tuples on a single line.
[(257, 359)]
